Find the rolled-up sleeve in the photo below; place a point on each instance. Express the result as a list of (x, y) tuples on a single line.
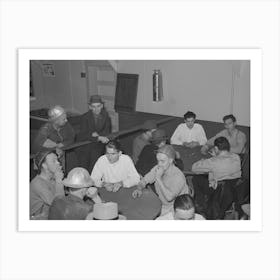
[(176, 137)]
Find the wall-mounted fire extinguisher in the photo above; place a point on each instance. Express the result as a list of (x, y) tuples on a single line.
[(157, 86)]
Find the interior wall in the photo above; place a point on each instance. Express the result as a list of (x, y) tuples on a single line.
[(204, 87), (208, 88), (67, 88)]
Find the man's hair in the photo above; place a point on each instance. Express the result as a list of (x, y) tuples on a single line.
[(189, 114), (114, 144), (183, 202), (232, 117), (222, 144)]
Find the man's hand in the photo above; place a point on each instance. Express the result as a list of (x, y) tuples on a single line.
[(49, 144), (103, 139), (58, 175), (186, 144), (137, 193), (108, 186), (117, 186), (212, 152), (177, 155), (94, 134), (193, 144), (204, 149), (58, 151), (159, 172), (92, 192)]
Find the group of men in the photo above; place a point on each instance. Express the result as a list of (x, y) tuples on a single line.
[(102, 164)]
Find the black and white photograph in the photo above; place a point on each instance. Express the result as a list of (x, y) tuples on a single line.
[(141, 139)]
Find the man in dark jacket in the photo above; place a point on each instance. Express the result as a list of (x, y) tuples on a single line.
[(147, 158), (95, 126), (56, 134)]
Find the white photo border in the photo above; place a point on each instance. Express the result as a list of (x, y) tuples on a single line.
[(255, 58)]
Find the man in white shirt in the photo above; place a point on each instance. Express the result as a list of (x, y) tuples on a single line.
[(189, 134), (114, 170), (183, 210)]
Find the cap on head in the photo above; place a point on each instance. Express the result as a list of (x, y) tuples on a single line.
[(167, 150), (149, 125), (105, 211), (158, 136), (94, 99), (55, 112), (78, 178), (40, 157)]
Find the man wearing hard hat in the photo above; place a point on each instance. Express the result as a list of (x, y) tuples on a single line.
[(73, 206), (56, 133)]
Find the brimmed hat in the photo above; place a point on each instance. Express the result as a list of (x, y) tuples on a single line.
[(78, 178), (95, 99), (158, 136), (106, 211), (149, 125), (40, 157), (55, 112), (167, 150)]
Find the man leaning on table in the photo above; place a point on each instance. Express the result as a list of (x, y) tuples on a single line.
[(114, 170), (224, 165), (168, 179), (189, 133)]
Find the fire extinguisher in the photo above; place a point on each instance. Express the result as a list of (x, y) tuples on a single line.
[(157, 86)]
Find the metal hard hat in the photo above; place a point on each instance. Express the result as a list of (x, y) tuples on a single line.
[(55, 112), (78, 177)]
